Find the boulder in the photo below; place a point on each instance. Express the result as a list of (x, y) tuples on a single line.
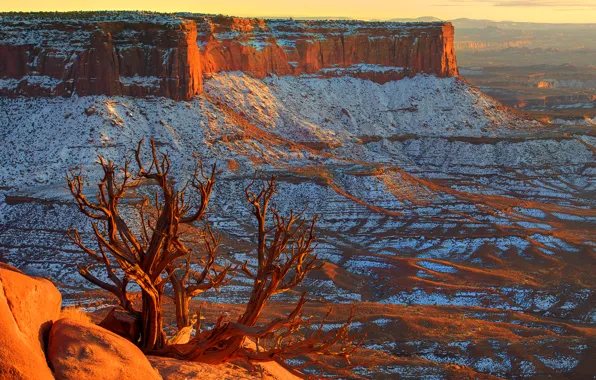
[(123, 323), (79, 350), (10, 268), (28, 306)]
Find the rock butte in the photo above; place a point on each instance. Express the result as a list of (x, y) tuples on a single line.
[(147, 54)]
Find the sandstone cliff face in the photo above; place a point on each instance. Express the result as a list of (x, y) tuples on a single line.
[(140, 54), (376, 51), (99, 57)]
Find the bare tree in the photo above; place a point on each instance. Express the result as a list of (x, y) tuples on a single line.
[(188, 283), (155, 253), (143, 256), (119, 283), (284, 257)]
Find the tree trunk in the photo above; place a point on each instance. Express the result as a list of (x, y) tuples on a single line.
[(181, 300), (182, 313), (127, 305), (152, 336), (256, 304)]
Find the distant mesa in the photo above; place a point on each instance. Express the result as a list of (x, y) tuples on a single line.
[(147, 54), (417, 19)]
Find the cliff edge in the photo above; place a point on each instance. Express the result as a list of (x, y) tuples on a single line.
[(146, 54)]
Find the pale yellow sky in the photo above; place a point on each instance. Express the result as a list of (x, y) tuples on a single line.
[(514, 10)]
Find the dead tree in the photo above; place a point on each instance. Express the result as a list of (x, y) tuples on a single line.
[(119, 283), (143, 256), (188, 283), (284, 253)]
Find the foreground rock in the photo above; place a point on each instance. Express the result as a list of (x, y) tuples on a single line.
[(123, 324), (28, 306), (78, 350), (172, 369)]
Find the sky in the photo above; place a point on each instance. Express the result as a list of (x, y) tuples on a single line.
[(558, 11)]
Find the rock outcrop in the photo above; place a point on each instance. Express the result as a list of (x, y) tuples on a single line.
[(79, 350), (70, 55), (146, 54), (28, 307), (380, 51), (123, 324)]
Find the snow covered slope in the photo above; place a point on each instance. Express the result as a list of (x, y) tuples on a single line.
[(430, 193), (345, 119)]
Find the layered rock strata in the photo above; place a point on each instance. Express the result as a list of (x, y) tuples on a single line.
[(146, 54), (66, 56), (380, 51)]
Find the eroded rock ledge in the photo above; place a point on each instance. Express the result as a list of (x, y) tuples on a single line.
[(146, 54)]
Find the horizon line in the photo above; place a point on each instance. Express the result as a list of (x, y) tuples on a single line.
[(314, 18)]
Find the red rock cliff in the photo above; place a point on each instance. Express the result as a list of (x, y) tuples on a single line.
[(144, 54), (377, 51), (132, 57)]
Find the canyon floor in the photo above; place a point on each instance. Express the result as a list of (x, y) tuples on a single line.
[(546, 70), (463, 231), (562, 94)]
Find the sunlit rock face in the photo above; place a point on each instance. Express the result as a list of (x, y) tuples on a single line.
[(28, 307), (110, 55), (139, 54), (79, 350), (376, 51)]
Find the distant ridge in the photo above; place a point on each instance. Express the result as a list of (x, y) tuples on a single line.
[(418, 19)]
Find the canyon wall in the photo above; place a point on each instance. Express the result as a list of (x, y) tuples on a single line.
[(380, 51), (146, 54), (64, 56)]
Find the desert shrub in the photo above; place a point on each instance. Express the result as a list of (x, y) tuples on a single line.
[(75, 313)]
